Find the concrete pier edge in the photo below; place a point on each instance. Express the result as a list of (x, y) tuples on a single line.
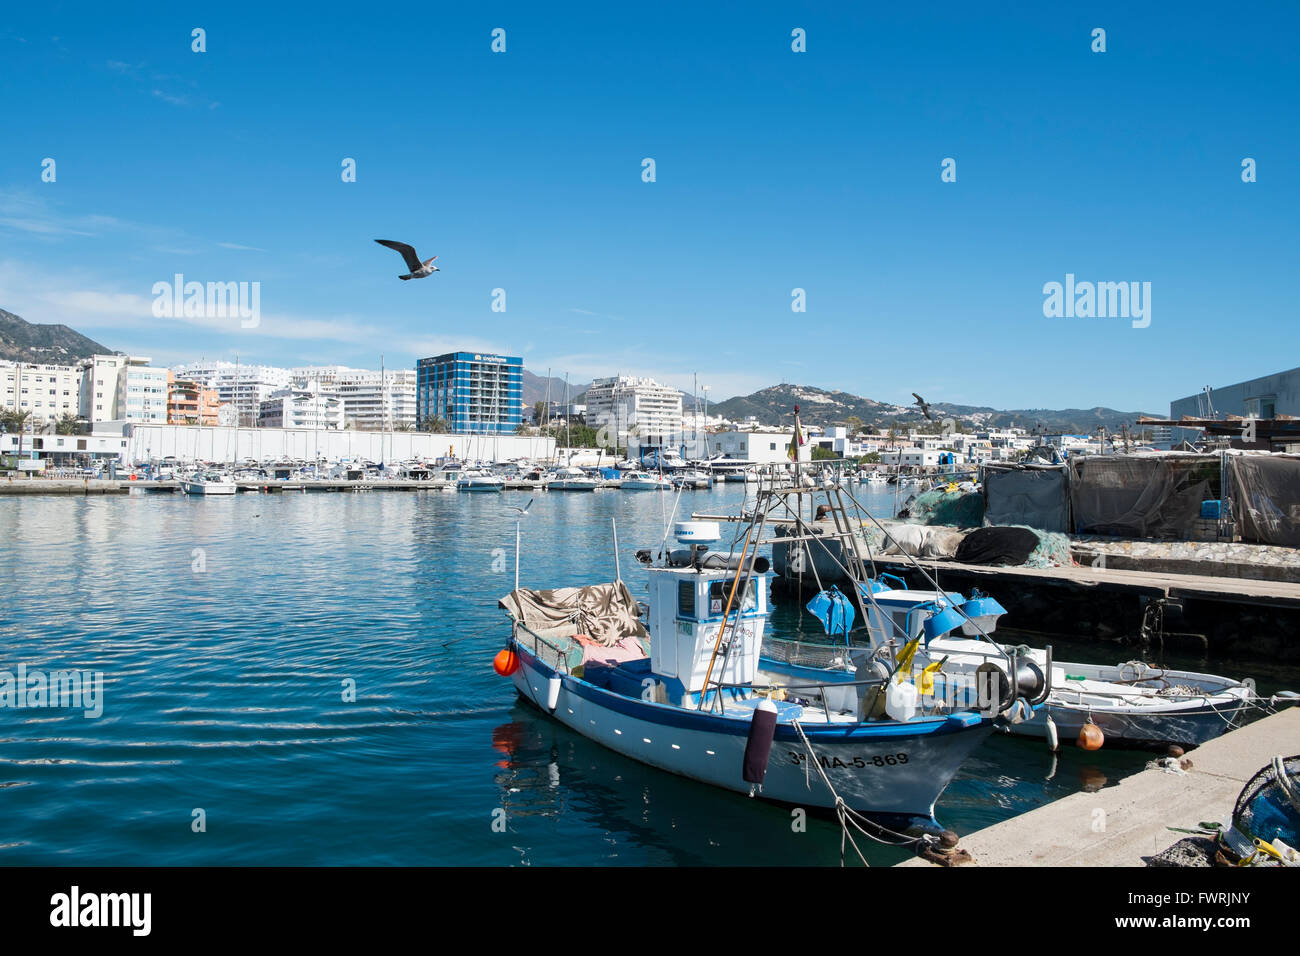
[(1121, 825)]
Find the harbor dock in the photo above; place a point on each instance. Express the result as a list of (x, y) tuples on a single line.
[(104, 486), (1128, 823)]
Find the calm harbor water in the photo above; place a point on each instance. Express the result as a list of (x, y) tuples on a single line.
[(229, 631)]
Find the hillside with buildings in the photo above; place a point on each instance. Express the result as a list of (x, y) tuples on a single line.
[(817, 406), (23, 341)]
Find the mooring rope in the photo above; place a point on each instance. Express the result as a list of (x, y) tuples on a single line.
[(849, 817)]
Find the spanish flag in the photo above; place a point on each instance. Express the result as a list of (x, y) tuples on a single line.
[(796, 440)]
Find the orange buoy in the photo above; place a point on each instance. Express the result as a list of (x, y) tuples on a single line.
[(1091, 737), (506, 662)]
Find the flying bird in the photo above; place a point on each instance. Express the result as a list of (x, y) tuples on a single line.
[(521, 511), (418, 269), (923, 405)]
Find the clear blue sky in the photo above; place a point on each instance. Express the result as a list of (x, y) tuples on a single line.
[(775, 170)]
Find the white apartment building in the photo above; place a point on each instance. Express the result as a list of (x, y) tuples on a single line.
[(372, 400), (624, 403), (302, 406), (243, 386), (122, 388), (48, 392)]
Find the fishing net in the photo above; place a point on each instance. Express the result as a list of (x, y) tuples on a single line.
[(1265, 810), (1053, 551), (958, 509)]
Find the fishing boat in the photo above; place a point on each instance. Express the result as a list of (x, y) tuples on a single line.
[(1133, 704), (675, 684), (209, 483), (876, 478), (571, 479), (644, 481), (480, 479)]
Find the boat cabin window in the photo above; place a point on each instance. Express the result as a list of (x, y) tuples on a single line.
[(719, 591), (685, 598)]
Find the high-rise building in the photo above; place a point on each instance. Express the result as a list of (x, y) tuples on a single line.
[(48, 392), (475, 393), (190, 403), (123, 388), (373, 400), (309, 405), (243, 386), (640, 406)]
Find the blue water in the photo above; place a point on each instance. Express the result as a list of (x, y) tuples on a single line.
[(225, 692)]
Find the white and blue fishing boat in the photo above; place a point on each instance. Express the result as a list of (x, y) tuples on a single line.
[(1132, 704), (675, 684)]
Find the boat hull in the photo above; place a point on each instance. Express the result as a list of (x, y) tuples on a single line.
[(205, 489), (886, 769)]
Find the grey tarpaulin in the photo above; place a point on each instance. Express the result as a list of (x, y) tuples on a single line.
[(1266, 498), (1140, 496), (1037, 496), (604, 612)]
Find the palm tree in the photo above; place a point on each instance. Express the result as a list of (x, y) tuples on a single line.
[(68, 425), (16, 421)]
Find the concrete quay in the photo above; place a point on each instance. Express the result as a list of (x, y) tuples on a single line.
[(1125, 824)]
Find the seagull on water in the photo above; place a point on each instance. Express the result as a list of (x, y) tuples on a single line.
[(418, 269)]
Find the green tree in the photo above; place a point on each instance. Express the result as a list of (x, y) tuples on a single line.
[(539, 412), (16, 421), (821, 454), (435, 424), (69, 425)]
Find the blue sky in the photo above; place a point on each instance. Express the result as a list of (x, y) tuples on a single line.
[(775, 170)]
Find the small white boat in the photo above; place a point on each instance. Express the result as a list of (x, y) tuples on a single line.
[(480, 480), (693, 478), (571, 479), (1134, 704), (209, 484), (876, 478), (644, 481)]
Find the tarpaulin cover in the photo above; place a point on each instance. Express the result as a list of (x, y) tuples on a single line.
[(1266, 498), (1140, 496), (604, 612), (1037, 497), (997, 546)]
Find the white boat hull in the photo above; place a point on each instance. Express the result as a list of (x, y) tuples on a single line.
[(893, 769), (206, 488)]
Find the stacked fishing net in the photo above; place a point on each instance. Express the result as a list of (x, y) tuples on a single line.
[(956, 508), (1053, 550)]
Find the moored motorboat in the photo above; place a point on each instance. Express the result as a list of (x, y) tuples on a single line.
[(208, 483), (645, 481)]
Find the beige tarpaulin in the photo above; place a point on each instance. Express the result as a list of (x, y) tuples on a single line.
[(604, 612)]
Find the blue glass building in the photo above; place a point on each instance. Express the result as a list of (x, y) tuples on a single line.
[(477, 393)]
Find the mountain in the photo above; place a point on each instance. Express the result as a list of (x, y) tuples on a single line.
[(22, 341), (818, 406), (535, 388)]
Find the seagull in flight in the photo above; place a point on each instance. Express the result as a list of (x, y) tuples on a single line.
[(923, 405), (521, 512), (418, 269)]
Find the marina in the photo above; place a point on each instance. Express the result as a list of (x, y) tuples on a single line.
[(404, 638)]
